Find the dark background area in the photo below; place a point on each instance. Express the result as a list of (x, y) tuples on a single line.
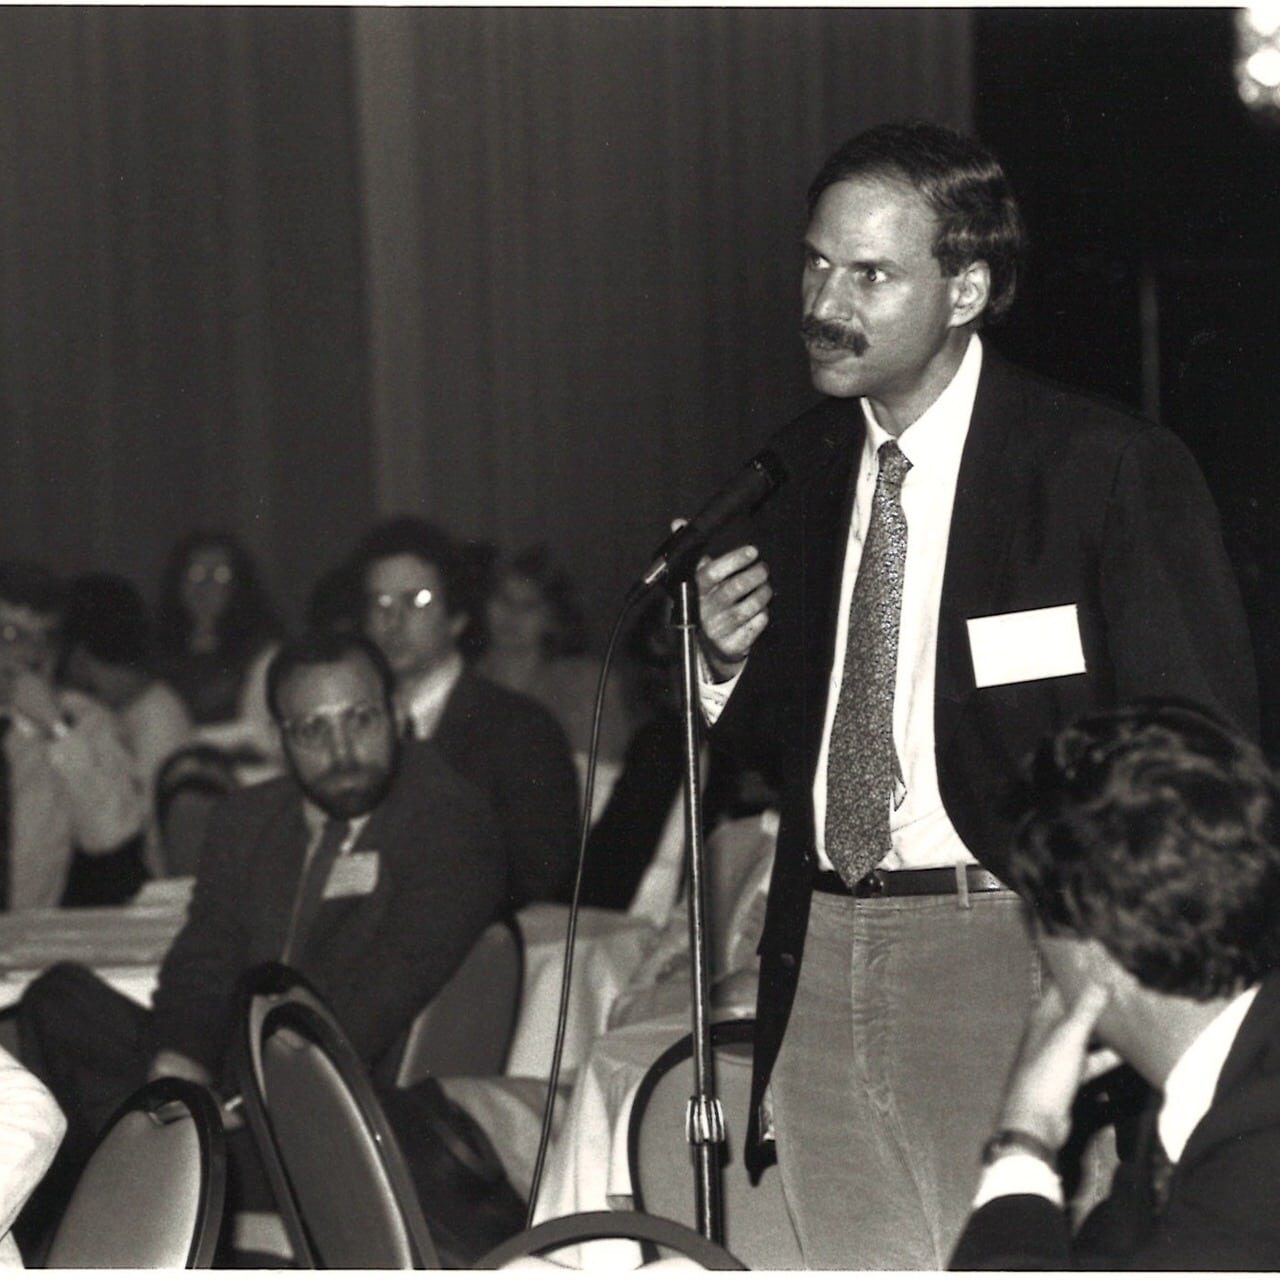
[(1153, 197), (534, 271)]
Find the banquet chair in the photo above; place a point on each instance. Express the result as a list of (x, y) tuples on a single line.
[(188, 786), (757, 1227), (468, 1026), (339, 1178), (151, 1193), (674, 1237)]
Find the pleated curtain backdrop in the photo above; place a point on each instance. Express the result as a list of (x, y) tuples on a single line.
[(532, 272)]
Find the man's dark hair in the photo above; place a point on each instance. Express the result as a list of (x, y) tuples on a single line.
[(412, 536), (107, 617), (321, 648), (34, 586), (1155, 830), (962, 182)]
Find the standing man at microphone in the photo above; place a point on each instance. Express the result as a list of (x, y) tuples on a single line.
[(988, 557)]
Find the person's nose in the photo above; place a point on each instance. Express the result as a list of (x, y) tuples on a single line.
[(341, 744), (830, 299)]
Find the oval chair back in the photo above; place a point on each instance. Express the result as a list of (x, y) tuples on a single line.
[(757, 1226), (339, 1178), (576, 1228), (467, 1028), (151, 1194)]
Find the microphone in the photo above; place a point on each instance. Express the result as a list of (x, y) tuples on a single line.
[(799, 449)]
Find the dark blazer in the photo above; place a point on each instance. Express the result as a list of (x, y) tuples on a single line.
[(515, 751), (1220, 1213), (1060, 500), (378, 958)]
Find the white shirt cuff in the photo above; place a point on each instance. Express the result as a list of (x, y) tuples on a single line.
[(1018, 1174), (712, 696)]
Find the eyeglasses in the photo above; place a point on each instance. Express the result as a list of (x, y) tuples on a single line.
[(220, 573), (315, 732), (386, 602)]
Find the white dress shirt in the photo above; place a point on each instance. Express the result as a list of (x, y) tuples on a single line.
[(424, 703), (920, 830)]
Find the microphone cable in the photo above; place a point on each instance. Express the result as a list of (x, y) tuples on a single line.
[(584, 831)]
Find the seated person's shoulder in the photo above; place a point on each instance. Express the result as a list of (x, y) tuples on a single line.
[(512, 713), (424, 772)]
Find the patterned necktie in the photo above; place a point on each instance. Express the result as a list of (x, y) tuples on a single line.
[(862, 765), (315, 875), (1161, 1175)]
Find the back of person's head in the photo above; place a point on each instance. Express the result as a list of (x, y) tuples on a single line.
[(961, 181), (1154, 830), (324, 648), (107, 618), (33, 587), (413, 536), (247, 620)]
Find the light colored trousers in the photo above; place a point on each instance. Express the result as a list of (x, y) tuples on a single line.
[(907, 1017)]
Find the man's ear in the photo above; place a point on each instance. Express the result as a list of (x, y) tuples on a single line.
[(458, 624), (970, 291)]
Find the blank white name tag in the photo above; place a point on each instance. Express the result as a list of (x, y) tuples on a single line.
[(353, 875), (1036, 644)]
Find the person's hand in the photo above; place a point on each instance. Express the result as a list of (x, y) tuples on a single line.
[(31, 697), (1053, 1061), (733, 599)]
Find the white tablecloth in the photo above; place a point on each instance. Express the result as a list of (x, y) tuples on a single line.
[(608, 947), (123, 945)]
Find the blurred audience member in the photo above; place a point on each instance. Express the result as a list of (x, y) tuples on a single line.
[(635, 852), (108, 653), (536, 644), (69, 781), (504, 742), (372, 868), (31, 1127), (216, 634)]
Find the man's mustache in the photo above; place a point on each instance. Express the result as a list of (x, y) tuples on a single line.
[(833, 335)]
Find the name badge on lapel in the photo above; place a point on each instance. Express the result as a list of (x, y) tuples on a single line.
[(1035, 644), (354, 875)]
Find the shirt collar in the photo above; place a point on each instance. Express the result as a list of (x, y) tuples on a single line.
[(1189, 1090), (424, 703), (937, 436), (315, 818)]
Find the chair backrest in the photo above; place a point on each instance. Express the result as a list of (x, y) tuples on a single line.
[(467, 1029), (757, 1227), (151, 1194), (188, 786), (579, 1227), (338, 1175)]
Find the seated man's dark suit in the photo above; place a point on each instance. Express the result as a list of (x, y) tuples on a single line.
[(515, 751), (1060, 500), (375, 957), (1220, 1213)]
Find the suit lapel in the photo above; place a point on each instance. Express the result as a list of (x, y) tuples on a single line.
[(980, 535), (826, 507)]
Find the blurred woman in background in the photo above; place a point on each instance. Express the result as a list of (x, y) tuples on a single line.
[(536, 644), (216, 635)]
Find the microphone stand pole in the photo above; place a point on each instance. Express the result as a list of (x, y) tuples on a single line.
[(704, 1119)]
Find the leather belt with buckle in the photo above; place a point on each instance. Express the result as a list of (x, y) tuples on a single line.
[(911, 881)]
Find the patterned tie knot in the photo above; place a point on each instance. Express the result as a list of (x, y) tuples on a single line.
[(894, 464)]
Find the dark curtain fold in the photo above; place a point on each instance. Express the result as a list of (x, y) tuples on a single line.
[(181, 317), (583, 232), (533, 272)]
